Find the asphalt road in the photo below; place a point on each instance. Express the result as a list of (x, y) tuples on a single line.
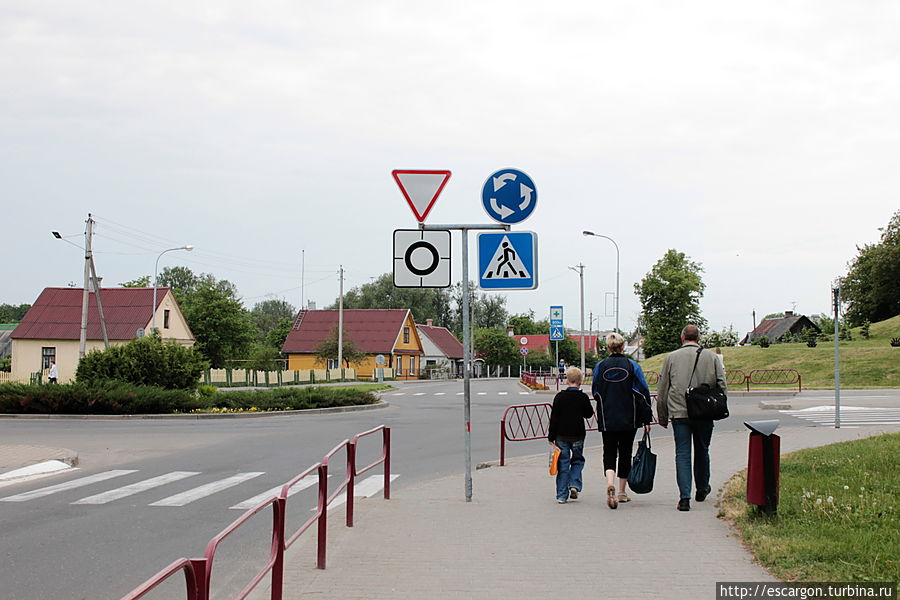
[(53, 548)]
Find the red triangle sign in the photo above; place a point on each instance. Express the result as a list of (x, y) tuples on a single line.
[(421, 189)]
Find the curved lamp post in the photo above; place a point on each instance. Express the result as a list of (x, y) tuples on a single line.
[(591, 233), (187, 247)]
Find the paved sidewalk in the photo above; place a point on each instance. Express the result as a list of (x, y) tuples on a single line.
[(514, 541)]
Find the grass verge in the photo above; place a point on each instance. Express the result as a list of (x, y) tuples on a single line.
[(837, 516)]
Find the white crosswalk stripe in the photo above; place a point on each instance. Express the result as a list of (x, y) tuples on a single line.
[(502, 393), (850, 415), (69, 485), (136, 488), (399, 394), (206, 490), (308, 481), (363, 489), (419, 394), (439, 393)]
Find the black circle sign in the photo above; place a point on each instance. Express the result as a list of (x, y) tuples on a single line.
[(435, 259)]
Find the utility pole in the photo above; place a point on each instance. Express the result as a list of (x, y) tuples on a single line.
[(579, 268), (836, 291), (341, 323), (88, 238), (302, 277)]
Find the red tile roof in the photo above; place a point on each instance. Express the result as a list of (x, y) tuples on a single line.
[(372, 331), (56, 314), (444, 340)]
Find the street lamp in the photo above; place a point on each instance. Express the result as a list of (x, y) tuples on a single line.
[(579, 268), (187, 247), (591, 233)]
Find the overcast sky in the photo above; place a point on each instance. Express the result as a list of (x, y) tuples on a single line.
[(760, 138)]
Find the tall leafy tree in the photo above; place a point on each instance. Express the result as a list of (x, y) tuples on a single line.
[(871, 287), (525, 324), (182, 280), (425, 303), (10, 313), (670, 298), (276, 336), (328, 349), (139, 282), (495, 347), (269, 314), (221, 324)]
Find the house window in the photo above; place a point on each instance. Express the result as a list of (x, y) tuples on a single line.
[(166, 318), (333, 363), (48, 355), (399, 365), (406, 335), (412, 365)]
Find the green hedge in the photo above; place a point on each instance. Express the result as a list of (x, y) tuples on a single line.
[(146, 361), (122, 398)]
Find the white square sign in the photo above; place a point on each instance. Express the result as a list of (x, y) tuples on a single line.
[(421, 258)]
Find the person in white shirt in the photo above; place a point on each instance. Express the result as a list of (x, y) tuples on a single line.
[(54, 373)]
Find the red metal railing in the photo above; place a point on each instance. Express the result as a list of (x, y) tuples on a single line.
[(198, 572), (193, 569), (736, 377), (652, 378), (524, 422), (775, 377)]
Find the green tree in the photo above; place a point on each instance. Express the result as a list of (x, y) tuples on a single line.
[(144, 361), (10, 313), (425, 303), (570, 350), (139, 282), (496, 347), (328, 349), (716, 339), (182, 280), (220, 323), (871, 287), (263, 358), (276, 336), (525, 324), (269, 314), (670, 298)]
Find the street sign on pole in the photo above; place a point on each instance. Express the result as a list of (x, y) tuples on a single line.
[(421, 189), (556, 315), (523, 351), (509, 196), (421, 258), (507, 260), (557, 334)]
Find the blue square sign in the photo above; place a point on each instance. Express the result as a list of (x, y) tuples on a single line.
[(507, 260)]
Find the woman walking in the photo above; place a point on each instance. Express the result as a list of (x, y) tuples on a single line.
[(566, 431), (623, 405)]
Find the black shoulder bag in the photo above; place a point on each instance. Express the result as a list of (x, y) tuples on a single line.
[(705, 402)]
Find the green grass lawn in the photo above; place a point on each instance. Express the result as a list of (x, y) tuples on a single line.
[(871, 363), (837, 516)]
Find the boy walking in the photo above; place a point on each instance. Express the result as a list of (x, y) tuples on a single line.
[(571, 407)]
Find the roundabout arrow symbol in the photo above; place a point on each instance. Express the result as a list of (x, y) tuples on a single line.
[(499, 182), (525, 192), (501, 209)]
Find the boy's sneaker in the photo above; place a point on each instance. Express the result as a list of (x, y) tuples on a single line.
[(573, 493), (561, 501)]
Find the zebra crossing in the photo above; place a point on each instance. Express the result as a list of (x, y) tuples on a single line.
[(851, 416), (364, 488)]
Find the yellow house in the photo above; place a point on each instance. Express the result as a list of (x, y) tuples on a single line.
[(390, 333), (51, 330)]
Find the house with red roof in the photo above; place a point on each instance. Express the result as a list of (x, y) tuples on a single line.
[(51, 330), (441, 350), (390, 333)]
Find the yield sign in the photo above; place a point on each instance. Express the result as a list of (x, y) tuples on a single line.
[(421, 189)]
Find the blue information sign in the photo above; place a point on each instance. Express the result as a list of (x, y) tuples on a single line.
[(557, 334), (509, 196), (507, 260), (556, 315)]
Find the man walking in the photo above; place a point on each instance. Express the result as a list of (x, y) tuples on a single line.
[(674, 380)]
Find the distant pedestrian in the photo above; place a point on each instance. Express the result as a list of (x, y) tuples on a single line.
[(571, 407), (54, 373), (721, 357), (562, 369), (677, 375), (623, 405)]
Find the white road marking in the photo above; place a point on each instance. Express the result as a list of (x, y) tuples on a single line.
[(135, 488), (439, 393), (524, 393), (36, 471), (459, 393), (419, 394), (206, 490), (69, 485), (850, 415), (502, 393), (399, 394), (364, 489), (308, 481), (482, 393)]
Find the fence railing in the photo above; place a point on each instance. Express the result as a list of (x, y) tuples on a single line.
[(198, 571), (525, 422), (775, 377)]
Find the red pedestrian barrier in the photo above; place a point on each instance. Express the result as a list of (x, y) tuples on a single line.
[(736, 377), (775, 377), (198, 572), (652, 378)]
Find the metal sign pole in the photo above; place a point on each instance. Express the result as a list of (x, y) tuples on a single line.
[(837, 359), (467, 346)]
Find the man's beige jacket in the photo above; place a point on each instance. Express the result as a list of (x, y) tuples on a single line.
[(675, 376)]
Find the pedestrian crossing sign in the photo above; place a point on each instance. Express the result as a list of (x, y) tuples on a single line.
[(557, 334), (507, 260)]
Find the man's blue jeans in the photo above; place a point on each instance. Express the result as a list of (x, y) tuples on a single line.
[(569, 468), (698, 433)]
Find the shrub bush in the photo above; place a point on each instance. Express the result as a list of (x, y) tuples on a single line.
[(112, 397), (144, 361), (763, 341), (895, 342)]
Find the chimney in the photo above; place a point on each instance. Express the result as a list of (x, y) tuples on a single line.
[(788, 313), (428, 322), (310, 305)]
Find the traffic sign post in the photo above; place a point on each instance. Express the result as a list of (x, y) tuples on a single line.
[(421, 258), (421, 189), (556, 333), (507, 261), (509, 196)]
